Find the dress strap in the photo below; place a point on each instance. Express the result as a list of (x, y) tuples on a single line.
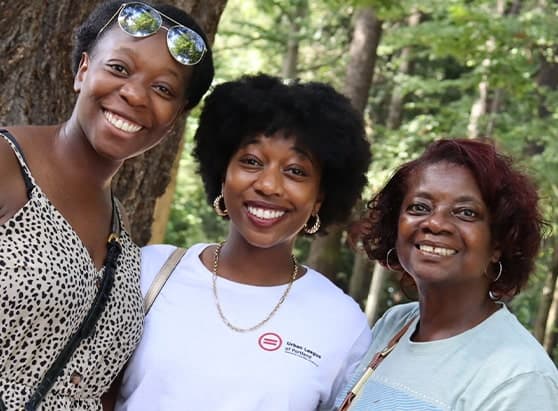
[(27, 178), (116, 222)]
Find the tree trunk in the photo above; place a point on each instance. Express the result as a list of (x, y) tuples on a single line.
[(374, 299), (479, 108), (362, 57), (545, 302), (290, 59), (325, 251), (360, 278), (36, 88), (551, 330), (551, 333), (483, 106), (395, 114), (372, 286), (163, 205)]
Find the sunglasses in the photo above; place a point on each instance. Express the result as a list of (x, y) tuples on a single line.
[(141, 20)]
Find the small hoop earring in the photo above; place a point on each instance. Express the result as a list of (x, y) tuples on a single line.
[(389, 267), (493, 296), (315, 227), (217, 206), (499, 272)]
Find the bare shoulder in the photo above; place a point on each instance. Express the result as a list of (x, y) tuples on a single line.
[(12, 186)]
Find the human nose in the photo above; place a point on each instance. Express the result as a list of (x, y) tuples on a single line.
[(269, 182), (134, 93), (437, 222)]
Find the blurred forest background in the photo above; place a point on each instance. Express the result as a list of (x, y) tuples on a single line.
[(416, 70)]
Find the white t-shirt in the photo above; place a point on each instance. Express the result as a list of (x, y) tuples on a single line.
[(188, 359), (495, 366)]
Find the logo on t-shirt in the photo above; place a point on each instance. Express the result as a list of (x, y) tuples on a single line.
[(301, 351), (270, 342)]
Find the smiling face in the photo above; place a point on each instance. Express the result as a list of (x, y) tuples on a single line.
[(131, 91), (444, 229), (271, 188)]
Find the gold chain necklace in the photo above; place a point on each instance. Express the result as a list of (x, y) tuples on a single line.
[(271, 314)]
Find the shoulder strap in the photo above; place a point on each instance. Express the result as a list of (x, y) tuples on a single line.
[(161, 278), (20, 158), (376, 360)]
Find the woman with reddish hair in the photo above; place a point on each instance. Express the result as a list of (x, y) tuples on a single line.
[(464, 226)]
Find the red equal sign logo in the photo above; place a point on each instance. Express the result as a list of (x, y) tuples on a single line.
[(270, 342)]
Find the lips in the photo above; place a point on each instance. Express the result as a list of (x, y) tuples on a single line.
[(434, 250), (121, 123)]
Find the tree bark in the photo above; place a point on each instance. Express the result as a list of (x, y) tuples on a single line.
[(551, 324), (372, 309), (163, 205), (546, 300), (395, 114), (290, 59), (371, 287), (325, 251), (36, 88)]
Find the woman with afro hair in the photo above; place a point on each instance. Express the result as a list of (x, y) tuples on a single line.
[(242, 325)]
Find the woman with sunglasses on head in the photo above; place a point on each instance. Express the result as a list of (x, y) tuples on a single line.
[(241, 325), (71, 309), (462, 226)]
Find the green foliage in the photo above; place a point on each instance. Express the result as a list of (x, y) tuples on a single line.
[(191, 219), (457, 45)]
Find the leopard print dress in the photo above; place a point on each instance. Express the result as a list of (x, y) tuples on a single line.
[(47, 284)]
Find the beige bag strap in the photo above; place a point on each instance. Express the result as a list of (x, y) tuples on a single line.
[(161, 278)]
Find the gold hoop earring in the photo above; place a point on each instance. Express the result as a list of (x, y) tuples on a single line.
[(315, 227), (217, 206), (389, 267)]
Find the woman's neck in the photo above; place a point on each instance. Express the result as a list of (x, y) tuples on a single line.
[(72, 149), (450, 315)]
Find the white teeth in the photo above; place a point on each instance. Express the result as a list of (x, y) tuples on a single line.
[(437, 250), (264, 213), (121, 123)]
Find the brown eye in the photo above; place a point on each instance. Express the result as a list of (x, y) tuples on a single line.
[(118, 68), (417, 208), (466, 213), (297, 171)]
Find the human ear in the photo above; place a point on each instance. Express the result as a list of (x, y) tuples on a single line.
[(496, 254), (82, 70), (318, 204)]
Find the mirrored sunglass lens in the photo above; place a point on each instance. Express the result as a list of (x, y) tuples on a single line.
[(185, 45), (139, 20)]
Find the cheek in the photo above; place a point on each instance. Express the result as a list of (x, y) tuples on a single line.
[(168, 113), (404, 226)]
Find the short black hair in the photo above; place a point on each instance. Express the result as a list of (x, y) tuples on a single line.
[(321, 119), (86, 39)]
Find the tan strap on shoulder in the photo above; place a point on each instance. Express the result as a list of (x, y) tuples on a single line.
[(161, 278)]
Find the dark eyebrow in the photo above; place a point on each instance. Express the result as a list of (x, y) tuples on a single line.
[(133, 52)]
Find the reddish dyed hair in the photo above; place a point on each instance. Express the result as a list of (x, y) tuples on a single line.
[(510, 196)]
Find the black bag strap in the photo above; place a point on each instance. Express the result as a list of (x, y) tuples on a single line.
[(87, 327), (25, 172)]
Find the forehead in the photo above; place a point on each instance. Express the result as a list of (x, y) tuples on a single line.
[(443, 178), (276, 140)]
